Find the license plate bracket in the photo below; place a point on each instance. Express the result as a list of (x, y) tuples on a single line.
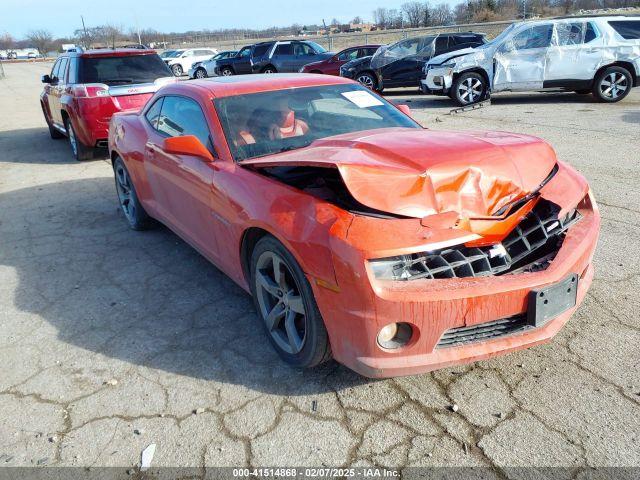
[(552, 300)]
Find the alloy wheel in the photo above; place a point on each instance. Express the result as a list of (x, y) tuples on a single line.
[(268, 70), (227, 72), (280, 302), (125, 194), (200, 73), (367, 81), (613, 85), (470, 90)]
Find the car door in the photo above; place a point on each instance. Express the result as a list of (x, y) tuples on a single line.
[(57, 89), (283, 57), (181, 184), (520, 62), (575, 53), (242, 62), (48, 90), (303, 53), (405, 62)]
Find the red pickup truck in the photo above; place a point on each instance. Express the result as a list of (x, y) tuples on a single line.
[(85, 88)]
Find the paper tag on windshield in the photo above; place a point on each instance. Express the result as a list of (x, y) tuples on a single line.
[(362, 98)]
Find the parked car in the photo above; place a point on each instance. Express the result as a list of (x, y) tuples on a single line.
[(181, 63), (360, 235), (85, 88), (32, 55), (206, 68), (400, 64), (331, 65), (272, 57), (598, 55), (12, 55)]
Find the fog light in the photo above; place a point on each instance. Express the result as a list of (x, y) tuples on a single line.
[(394, 335), (438, 80)]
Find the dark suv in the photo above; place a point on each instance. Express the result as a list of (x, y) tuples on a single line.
[(273, 57), (400, 64), (85, 88)]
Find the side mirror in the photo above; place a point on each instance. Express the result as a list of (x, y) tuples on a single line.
[(187, 145), (45, 79), (405, 109)]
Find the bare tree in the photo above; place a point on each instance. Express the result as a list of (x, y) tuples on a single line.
[(442, 15), (356, 20), (414, 13), (40, 39), (6, 41), (382, 17)]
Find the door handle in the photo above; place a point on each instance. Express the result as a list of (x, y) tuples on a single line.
[(150, 148)]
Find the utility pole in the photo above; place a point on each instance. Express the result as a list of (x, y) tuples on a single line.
[(86, 37), (524, 9)]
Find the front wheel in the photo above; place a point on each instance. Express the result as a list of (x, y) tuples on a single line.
[(469, 88), (612, 84), (200, 73), (177, 70), (285, 303), (269, 69), (367, 80), (226, 72), (133, 210)]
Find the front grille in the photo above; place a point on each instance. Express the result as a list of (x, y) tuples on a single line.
[(531, 246), (484, 331)]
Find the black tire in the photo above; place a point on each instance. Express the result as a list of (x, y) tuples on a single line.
[(313, 346), (79, 150), (583, 91), (366, 79), (133, 210), (177, 70), (53, 132), (269, 69), (469, 88), (200, 73), (227, 72), (609, 83)]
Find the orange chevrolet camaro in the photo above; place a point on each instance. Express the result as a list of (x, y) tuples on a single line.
[(361, 236)]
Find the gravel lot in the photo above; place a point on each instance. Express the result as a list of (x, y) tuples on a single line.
[(112, 339)]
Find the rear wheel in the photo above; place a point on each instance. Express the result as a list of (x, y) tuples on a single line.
[(612, 84), (226, 72), (285, 303), (80, 150), (469, 88), (269, 69), (200, 73), (177, 69), (133, 210)]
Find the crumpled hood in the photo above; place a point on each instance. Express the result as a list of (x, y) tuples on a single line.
[(440, 59), (418, 173)]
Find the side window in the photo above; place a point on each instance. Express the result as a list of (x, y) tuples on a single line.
[(153, 113), (591, 33), (348, 55), (284, 49), (537, 36), (303, 49), (369, 51), (54, 69), (628, 29), (261, 50), (73, 70), (62, 70), (442, 43), (245, 52), (183, 116), (405, 48), (569, 33)]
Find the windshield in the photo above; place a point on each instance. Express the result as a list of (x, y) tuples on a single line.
[(316, 47), (123, 70), (264, 123), (498, 40), (167, 53)]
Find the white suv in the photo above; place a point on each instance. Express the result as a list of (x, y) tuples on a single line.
[(182, 62), (598, 55)]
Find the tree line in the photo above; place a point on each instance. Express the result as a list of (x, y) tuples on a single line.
[(412, 14)]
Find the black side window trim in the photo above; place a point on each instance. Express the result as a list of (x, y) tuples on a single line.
[(146, 112)]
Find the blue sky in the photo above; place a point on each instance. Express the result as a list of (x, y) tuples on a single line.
[(62, 17)]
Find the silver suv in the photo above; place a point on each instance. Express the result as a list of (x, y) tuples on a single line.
[(598, 55)]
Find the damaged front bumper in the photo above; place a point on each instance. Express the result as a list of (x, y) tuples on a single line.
[(455, 320), (437, 81)]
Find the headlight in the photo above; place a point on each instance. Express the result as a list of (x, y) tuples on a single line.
[(392, 268), (448, 65)]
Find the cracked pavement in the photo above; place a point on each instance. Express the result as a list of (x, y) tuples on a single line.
[(113, 339)]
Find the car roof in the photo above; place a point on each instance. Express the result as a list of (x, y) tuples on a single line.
[(111, 52), (246, 84)]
